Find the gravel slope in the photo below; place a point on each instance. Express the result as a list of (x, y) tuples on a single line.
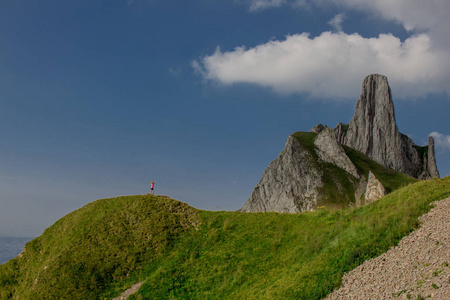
[(418, 267)]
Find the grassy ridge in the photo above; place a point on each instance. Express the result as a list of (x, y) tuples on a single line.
[(183, 253), (285, 256)]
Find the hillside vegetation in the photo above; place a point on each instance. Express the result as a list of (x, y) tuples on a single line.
[(180, 252)]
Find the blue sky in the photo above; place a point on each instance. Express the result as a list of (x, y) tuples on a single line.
[(98, 98)]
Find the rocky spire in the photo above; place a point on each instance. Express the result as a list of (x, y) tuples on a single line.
[(373, 131), (431, 164)]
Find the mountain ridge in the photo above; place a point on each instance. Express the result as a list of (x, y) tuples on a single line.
[(296, 180)]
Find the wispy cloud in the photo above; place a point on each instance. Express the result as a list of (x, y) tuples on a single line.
[(257, 5), (336, 22), (175, 71)]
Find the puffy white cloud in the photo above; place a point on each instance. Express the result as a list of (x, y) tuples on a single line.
[(332, 65), (442, 141)]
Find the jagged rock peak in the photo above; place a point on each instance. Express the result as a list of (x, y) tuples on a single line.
[(432, 168), (373, 131)]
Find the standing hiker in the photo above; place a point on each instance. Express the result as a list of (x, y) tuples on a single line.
[(152, 188)]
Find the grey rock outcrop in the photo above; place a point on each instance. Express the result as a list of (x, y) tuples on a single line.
[(289, 184), (374, 190), (431, 164), (340, 131), (373, 131), (318, 128), (330, 151)]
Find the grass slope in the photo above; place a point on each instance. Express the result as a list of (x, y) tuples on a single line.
[(90, 250), (101, 249)]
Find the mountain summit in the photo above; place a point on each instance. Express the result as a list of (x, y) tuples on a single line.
[(342, 167), (373, 131)]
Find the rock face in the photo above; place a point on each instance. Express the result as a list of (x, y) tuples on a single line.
[(374, 191), (373, 131), (330, 151), (289, 184)]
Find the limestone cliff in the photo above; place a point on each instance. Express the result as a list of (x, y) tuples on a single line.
[(373, 131), (289, 184)]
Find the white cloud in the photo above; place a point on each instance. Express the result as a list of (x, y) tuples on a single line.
[(336, 22), (442, 141), (331, 65), (429, 15), (413, 14)]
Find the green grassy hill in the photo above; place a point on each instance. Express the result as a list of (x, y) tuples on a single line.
[(180, 252)]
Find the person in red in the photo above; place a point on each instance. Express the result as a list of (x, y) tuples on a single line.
[(152, 188)]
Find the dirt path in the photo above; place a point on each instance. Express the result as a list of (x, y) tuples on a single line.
[(418, 268), (129, 292)]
